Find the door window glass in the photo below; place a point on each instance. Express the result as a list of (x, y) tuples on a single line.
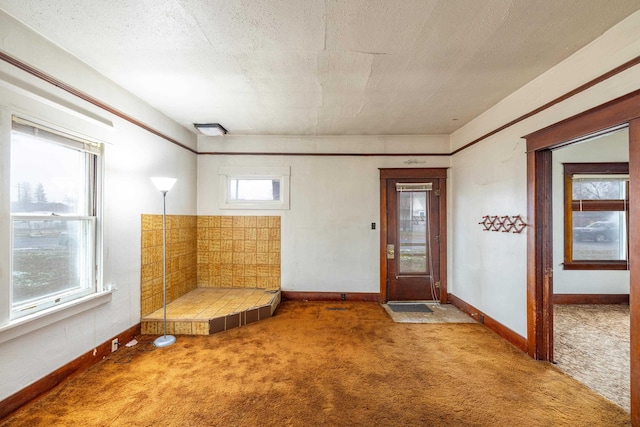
[(412, 224)]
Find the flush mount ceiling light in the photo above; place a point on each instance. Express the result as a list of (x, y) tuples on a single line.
[(210, 129)]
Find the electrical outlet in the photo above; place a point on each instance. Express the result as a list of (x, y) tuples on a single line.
[(114, 345)]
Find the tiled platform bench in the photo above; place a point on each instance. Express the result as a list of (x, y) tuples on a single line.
[(205, 311)]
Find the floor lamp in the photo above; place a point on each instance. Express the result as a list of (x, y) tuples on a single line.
[(164, 185)]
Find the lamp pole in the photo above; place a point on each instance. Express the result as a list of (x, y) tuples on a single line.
[(164, 185)]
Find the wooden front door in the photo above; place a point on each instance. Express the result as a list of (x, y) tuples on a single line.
[(412, 241)]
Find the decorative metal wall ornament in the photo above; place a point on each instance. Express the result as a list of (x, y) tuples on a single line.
[(414, 162), (506, 223)]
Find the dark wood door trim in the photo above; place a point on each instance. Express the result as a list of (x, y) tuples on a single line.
[(634, 262), (616, 112), (413, 173), (539, 265), (623, 110)]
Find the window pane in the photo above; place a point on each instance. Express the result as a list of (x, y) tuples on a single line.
[(412, 232), (53, 222), (50, 257), (599, 188), (254, 189), (47, 178), (599, 236)]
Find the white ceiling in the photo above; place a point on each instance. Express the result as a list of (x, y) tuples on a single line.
[(322, 67)]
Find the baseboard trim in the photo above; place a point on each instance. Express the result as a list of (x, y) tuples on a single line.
[(330, 296), (64, 373), (512, 337), (591, 298)]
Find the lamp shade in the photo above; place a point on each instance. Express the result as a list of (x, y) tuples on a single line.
[(162, 183)]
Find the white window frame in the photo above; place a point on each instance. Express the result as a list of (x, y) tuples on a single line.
[(93, 219), (229, 173)]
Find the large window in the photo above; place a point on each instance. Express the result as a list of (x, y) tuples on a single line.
[(54, 217), (596, 216)]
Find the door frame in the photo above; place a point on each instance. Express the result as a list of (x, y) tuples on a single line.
[(623, 110), (413, 173)]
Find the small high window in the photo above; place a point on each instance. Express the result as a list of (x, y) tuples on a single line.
[(596, 216), (255, 188)]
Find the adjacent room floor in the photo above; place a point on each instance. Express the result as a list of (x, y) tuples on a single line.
[(591, 343)]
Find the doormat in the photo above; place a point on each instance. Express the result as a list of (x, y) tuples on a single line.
[(439, 313), (410, 308)]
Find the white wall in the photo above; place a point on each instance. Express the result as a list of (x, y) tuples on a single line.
[(327, 241), (488, 269), (131, 155), (611, 148)]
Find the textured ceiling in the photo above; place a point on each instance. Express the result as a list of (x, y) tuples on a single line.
[(322, 67)]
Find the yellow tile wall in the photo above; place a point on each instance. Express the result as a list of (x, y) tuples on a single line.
[(181, 259), (238, 251)]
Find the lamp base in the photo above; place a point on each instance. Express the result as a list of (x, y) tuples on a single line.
[(164, 341)]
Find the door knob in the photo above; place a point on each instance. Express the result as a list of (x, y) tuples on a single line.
[(391, 252)]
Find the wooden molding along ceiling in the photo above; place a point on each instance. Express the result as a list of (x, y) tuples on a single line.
[(88, 98)]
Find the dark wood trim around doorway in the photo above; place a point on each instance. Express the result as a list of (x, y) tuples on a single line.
[(634, 262), (539, 257), (620, 111), (411, 173)]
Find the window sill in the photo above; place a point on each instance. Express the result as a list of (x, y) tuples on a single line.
[(27, 324), (596, 265), (255, 206)]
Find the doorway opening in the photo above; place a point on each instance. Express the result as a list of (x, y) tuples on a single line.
[(591, 279), (540, 264), (413, 234)]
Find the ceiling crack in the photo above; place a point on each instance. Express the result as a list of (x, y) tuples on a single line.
[(366, 85), (371, 53), (195, 20), (324, 18)]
